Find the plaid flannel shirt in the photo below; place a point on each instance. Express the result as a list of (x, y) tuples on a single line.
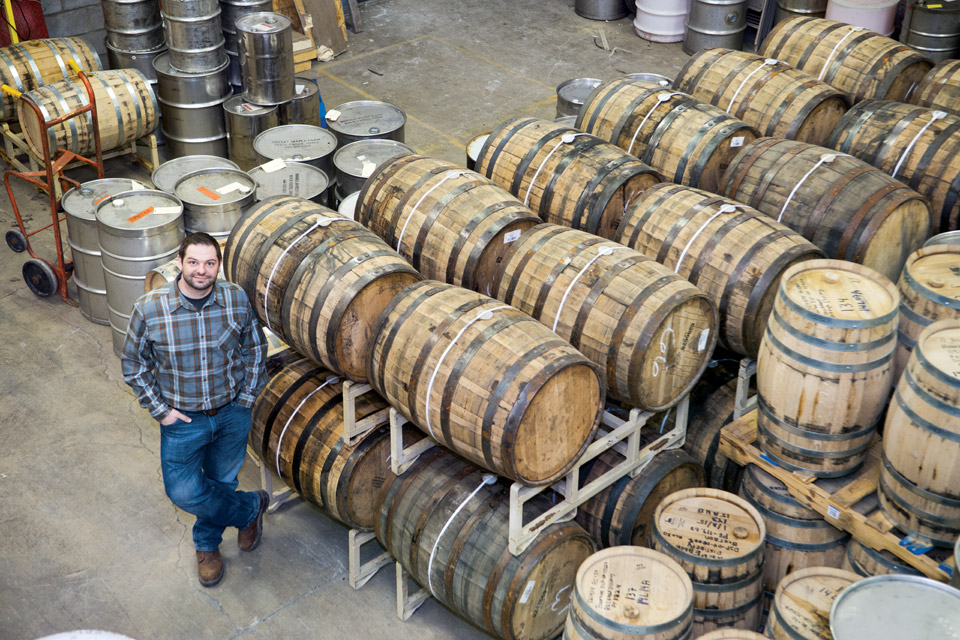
[(177, 357)]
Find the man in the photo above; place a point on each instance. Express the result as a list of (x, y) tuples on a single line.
[(194, 355)]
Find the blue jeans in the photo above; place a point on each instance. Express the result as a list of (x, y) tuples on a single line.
[(200, 461)]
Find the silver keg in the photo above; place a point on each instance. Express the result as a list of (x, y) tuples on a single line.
[(298, 143), (932, 28), (305, 106), (213, 199), (194, 36), (167, 175), (279, 178), (231, 10), (348, 206), (191, 108), (600, 9), (245, 121), (137, 231), (80, 206), (355, 162), (364, 119), (715, 23), (265, 45), (947, 237), (787, 9), (476, 144), (132, 25), (143, 62), (571, 95)]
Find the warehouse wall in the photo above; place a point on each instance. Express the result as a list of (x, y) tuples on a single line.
[(81, 18)]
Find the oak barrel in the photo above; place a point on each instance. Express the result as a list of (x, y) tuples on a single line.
[(866, 562), (486, 381), (688, 140), (452, 225), (731, 634), (852, 59), (447, 523), (732, 252), (826, 366), (920, 474), (940, 88), (622, 514), (717, 537), (712, 403), (317, 279), (649, 331), (849, 209), (567, 176), (126, 111), (297, 423), (918, 146), (630, 592), (777, 99), (801, 605)]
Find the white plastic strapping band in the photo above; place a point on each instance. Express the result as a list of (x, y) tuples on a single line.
[(726, 208), (604, 250), (826, 63), (769, 62), (826, 158), (331, 380), (566, 138), (663, 97), (936, 115), (449, 176)]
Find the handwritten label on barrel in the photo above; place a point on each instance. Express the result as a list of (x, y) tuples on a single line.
[(208, 193), (805, 605), (140, 215), (709, 528), (834, 293)]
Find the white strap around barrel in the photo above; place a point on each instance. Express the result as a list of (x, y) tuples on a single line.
[(726, 208), (566, 138), (826, 158), (769, 62), (330, 380), (826, 63), (936, 115), (450, 175), (663, 97), (603, 250), (484, 314)]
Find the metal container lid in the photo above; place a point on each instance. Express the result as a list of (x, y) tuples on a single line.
[(263, 22), (896, 606), (295, 143), (348, 206), (947, 237), (366, 118), (237, 105), (577, 90), (82, 203), (475, 145), (292, 179), (305, 87), (139, 210), (652, 78), (161, 64), (361, 158), (166, 176), (214, 187), (567, 121)]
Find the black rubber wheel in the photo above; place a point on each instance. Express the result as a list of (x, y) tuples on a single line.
[(16, 240), (40, 277)]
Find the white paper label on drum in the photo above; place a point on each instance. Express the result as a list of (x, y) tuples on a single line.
[(273, 165), (704, 336), (301, 88), (512, 236), (737, 142), (333, 115), (230, 188), (527, 591), (163, 210), (833, 512)]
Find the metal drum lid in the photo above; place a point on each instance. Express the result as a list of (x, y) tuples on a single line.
[(291, 179), (366, 118), (214, 187), (82, 203), (575, 92), (567, 121), (166, 176), (947, 237), (263, 22), (896, 606), (474, 147), (241, 107), (139, 210), (295, 142), (304, 88), (652, 78), (361, 158), (348, 206)]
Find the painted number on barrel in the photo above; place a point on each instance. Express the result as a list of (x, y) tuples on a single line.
[(663, 352), (560, 600)]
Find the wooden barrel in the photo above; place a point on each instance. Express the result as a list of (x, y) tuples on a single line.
[(567, 176), (852, 59), (629, 592), (920, 475), (317, 279), (688, 140), (841, 204), (34, 63), (825, 366), (447, 523), (777, 99), (866, 562), (918, 146), (452, 225), (797, 537), (487, 381), (712, 403), (940, 88), (732, 252), (731, 634), (649, 331), (126, 111), (296, 428), (717, 538), (929, 288), (623, 512), (801, 605)]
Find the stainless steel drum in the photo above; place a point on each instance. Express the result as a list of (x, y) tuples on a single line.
[(143, 62), (715, 23), (932, 27), (231, 10), (245, 121), (364, 119), (600, 9), (896, 606), (167, 175), (305, 106), (191, 107), (291, 179), (653, 78), (348, 206), (572, 93), (80, 206), (265, 45), (787, 9), (567, 121), (132, 25), (194, 35), (213, 199), (947, 237), (355, 162), (298, 143), (137, 231), (476, 143)]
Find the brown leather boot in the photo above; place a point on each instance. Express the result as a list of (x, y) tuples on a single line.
[(249, 538), (210, 567)]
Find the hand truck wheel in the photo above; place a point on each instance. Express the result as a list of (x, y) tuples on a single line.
[(40, 277), (16, 240)]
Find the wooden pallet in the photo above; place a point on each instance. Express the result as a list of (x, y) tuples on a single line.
[(852, 507)]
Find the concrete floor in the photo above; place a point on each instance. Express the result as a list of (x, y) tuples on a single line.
[(89, 540)]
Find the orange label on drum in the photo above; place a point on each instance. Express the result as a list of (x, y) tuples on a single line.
[(208, 193), (101, 199), (136, 217)]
